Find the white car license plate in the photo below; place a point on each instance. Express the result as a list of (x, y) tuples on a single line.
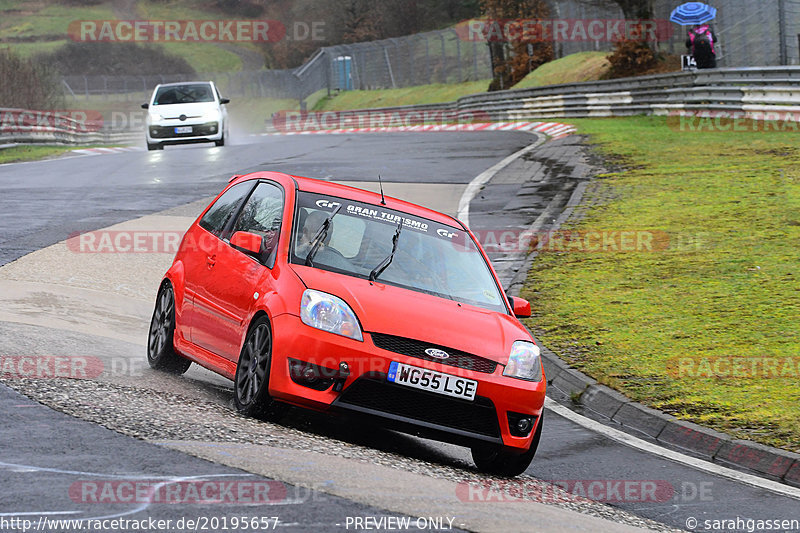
[(431, 380), (183, 129)]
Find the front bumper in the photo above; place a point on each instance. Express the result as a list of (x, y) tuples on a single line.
[(302, 352), (200, 132)]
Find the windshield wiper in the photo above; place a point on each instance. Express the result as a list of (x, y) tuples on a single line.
[(378, 270), (322, 232)]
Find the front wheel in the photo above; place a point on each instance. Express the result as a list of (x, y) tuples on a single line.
[(155, 146), (499, 461), (161, 353), (251, 382), (221, 141)]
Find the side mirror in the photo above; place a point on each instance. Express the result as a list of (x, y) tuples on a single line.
[(145, 106), (247, 242), (224, 100), (521, 307)]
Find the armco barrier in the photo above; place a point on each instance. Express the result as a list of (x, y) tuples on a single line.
[(24, 126), (749, 91)]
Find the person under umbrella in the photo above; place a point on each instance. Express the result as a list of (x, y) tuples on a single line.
[(702, 43)]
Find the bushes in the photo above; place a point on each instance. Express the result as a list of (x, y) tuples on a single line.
[(631, 58), (27, 84), (115, 59)]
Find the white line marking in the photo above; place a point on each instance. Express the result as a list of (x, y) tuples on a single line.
[(481, 179), (37, 513), (693, 462)]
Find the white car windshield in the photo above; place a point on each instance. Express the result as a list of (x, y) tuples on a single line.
[(392, 247), (189, 93)]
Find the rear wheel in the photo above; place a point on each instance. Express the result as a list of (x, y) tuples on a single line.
[(251, 382), (499, 461), (161, 354)]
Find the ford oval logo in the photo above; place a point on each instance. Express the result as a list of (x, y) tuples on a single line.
[(438, 354)]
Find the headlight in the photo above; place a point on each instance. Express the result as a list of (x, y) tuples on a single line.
[(212, 114), (329, 313), (524, 362)]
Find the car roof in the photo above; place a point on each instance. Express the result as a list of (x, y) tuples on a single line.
[(183, 83), (318, 186)]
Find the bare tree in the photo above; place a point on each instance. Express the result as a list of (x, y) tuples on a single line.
[(513, 57)]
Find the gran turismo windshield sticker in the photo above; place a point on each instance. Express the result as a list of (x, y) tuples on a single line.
[(327, 204), (377, 214)]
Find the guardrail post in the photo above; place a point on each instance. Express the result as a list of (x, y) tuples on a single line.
[(444, 59), (784, 60)]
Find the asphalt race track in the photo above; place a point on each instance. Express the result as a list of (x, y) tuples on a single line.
[(57, 303)]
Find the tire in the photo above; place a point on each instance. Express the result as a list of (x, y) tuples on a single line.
[(156, 146), (251, 382), (221, 141), (161, 354), (501, 462)]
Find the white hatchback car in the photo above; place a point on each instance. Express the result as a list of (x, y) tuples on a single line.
[(186, 112)]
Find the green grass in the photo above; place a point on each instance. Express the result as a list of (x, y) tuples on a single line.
[(17, 154), (48, 23), (50, 20), (583, 66), (252, 114), (727, 286), (205, 57), (422, 94), (34, 48)]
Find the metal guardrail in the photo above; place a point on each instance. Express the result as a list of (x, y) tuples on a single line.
[(750, 92), (26, 126)]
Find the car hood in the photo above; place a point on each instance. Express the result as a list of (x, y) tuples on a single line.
[(190, 110), (404, 313)]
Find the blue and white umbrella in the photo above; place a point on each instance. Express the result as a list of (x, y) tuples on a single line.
[(692, 13)]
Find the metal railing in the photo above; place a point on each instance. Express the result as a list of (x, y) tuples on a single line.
[(751, 91)]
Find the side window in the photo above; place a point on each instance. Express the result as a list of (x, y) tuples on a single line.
[(262, 215), (220, 213)]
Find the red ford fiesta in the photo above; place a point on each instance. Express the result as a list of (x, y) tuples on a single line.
[(328, 297)]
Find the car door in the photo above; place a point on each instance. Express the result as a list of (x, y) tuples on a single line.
[(232, 285), (200, 249)]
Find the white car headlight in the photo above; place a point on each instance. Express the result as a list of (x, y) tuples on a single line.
[(329, 313), (212, 114), (524, 362)]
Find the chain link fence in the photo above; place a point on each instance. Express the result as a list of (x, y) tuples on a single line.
[(751, 33)]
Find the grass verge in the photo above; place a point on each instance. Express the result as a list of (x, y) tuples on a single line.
[(17, 154), (583, 66), (421, 94), (704, 327)]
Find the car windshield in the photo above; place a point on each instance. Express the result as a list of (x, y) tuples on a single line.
[(428, 257), (189, 93)]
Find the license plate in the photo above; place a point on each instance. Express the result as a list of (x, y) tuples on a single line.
[(431, 380), (183, 129)]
